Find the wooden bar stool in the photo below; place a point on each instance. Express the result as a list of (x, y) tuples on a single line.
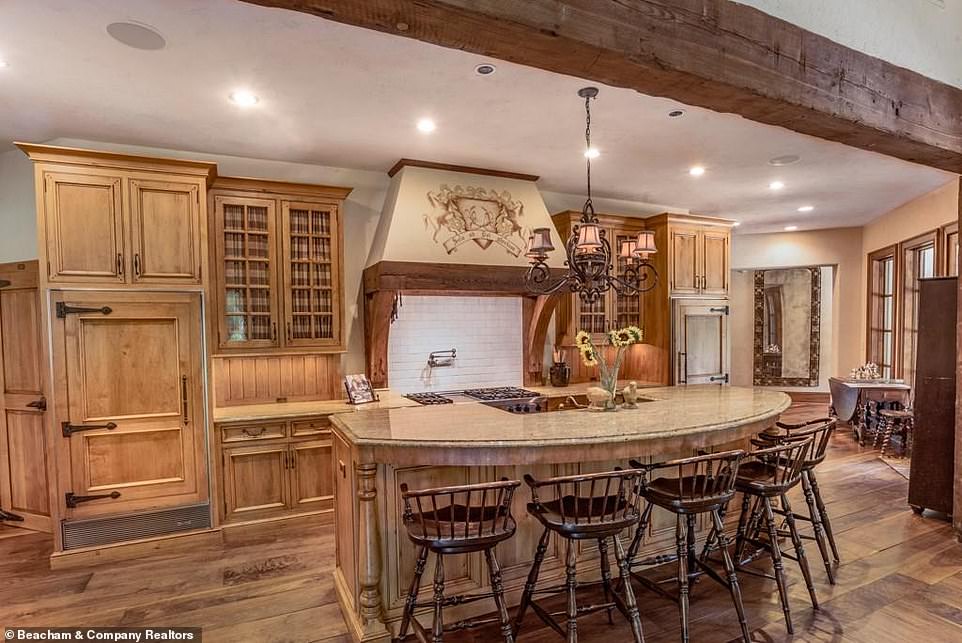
[(702, 485), (771, 473), (820, 431), (899, 421), (457, 520), (574, 512)]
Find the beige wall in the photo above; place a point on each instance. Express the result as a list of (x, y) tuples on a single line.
[(924, 214), (840, 248)]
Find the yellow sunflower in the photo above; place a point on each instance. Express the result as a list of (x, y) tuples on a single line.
[(588, 356), (582, 339)]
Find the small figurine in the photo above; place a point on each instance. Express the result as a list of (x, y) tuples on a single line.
[(630, 395)]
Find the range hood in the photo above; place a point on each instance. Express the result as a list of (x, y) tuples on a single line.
[(455, 230), (443, 214)]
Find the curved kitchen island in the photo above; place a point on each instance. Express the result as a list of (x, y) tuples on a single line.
[(433, 446)]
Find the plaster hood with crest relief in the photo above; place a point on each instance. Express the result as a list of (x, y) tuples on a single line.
[(455, 230)]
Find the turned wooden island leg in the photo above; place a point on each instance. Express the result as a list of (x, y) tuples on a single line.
[(370, 611)]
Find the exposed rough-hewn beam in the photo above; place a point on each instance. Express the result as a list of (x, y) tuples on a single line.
[(716, 54)]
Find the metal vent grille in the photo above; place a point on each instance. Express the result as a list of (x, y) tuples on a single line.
[(104, 531)]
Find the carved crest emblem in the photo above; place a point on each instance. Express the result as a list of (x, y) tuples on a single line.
[(468, 213)]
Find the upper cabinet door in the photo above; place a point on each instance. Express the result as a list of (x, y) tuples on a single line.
[(684, 260), (311, 259), (165, 224), (244, 245), (714, 250), (83, 224)]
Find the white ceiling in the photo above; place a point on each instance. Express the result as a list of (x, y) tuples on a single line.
[(337, 95)]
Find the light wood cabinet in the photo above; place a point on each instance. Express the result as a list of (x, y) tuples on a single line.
[(129, 373), (276, 469), (114, 219), (312, 481), (277, 263), (684, 262), (693, 263), (698, 261), (256, 480), (24, 490), (84, 227), (165, 230)]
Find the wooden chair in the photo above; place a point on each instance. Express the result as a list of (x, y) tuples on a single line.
[(594, 506), (820, 431), (704, 484), (457, 520), (771, 473)]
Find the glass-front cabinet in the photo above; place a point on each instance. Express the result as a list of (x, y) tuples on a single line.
[(277, 250), (613, 310)]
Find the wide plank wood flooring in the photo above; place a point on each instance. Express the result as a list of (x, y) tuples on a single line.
[(900, 580)]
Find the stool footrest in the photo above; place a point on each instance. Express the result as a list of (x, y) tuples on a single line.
[(461, 599)]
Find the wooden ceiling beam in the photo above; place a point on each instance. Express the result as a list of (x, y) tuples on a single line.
[(715, 54)]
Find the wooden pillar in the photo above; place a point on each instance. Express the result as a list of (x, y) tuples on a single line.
[(369, 606)]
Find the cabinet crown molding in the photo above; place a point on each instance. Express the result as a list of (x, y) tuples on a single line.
[(287, 188), (98, 158)]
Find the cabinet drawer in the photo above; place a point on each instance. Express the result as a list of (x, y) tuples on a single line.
[(304, 428), (250, 432)]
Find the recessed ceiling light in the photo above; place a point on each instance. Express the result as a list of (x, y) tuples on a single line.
[(676, 113), (426, 125), (592, 153), (776, 185), (136, 35), (696, 170), (485, 69), (243, 98), (806, 208), (736, 224), (791, 228), (4, 63), (787, 159)]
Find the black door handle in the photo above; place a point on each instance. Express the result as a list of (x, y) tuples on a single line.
[(40, 405), (69, 429)]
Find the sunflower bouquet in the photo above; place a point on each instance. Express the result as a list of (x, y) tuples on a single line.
[(592, 355)]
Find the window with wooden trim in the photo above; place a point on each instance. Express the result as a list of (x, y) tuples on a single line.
[(918, 262), (881, 322), (950, 250)]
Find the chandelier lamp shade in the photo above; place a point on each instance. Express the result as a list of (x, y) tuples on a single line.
[(589, 258)]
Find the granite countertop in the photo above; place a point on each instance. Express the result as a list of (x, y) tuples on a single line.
[(672, 412), (387, 400)]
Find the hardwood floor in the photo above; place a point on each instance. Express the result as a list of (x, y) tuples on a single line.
[(901, 580)]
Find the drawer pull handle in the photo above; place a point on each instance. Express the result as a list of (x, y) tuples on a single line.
[(342, 468), (251, 434)]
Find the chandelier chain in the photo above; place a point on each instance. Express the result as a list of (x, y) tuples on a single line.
[(588, 147)]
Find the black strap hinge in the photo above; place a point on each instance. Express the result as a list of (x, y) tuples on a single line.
[(64, 309)]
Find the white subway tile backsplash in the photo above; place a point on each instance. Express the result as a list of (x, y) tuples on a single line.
[(486, 331)]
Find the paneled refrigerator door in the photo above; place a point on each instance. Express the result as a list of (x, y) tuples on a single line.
[(701, 342), (129, 368)]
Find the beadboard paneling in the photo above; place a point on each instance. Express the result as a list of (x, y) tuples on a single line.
[(265, 378)]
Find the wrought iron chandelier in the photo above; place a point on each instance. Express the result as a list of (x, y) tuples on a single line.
[(588, 250)]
